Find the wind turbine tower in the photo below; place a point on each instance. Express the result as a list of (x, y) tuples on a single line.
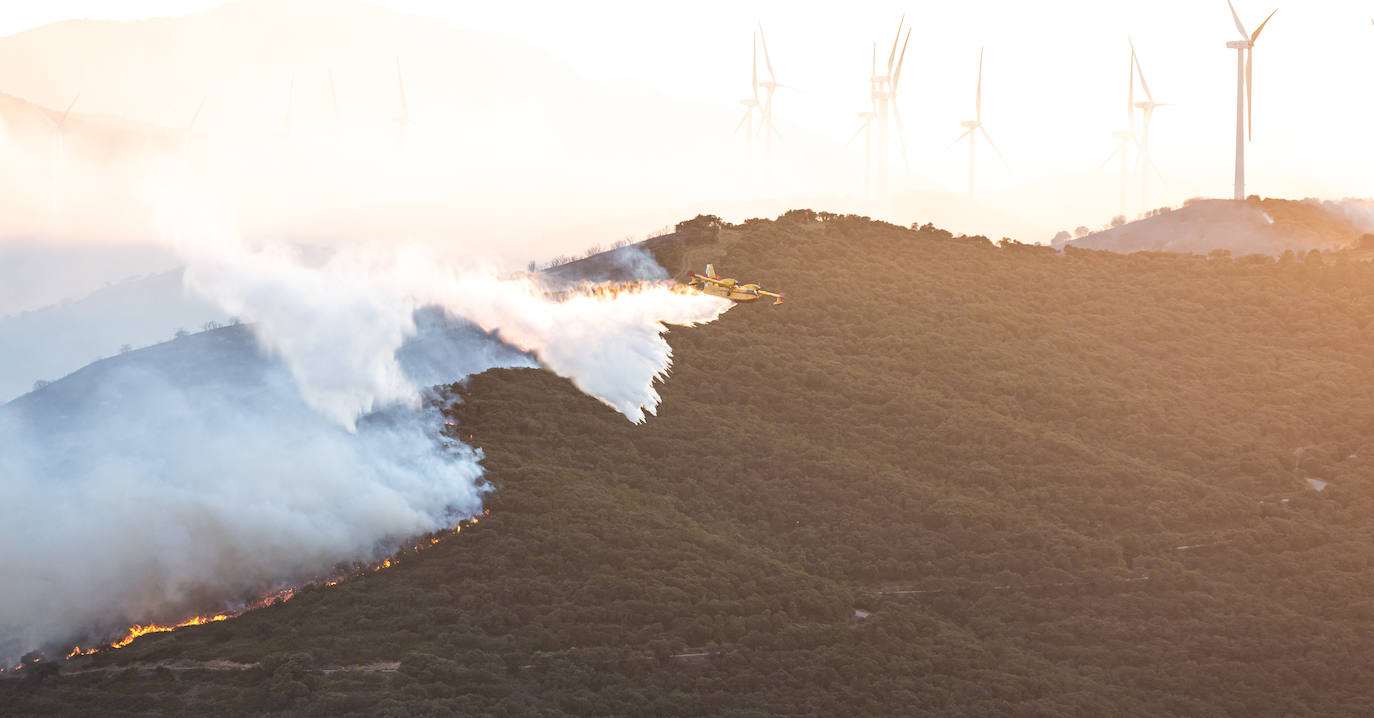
[(1147, 108), (883, 93), (866, 129), (751, 104), (290, 98), (771, 85), (57, 126), (402, 120), (334, 98), (1125, 138), (1245, 76), (975, 126), (191, 126)]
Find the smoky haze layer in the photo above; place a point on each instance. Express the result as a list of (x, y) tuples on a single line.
[(194, 475)]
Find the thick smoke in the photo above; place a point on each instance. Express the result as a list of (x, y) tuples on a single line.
[(198, 473), (606, 339)]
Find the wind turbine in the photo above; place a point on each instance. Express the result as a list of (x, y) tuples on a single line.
[(1245, 76), (866, 129), (290, 97), (334, 97), (191, 126), (1147, 109), (751, 104), (771, 85), (883, 92), (974, 126), (57, 128), (402, 120), (1125, 138)]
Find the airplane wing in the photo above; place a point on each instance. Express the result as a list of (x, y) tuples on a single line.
[(704, 279), (777, 296)]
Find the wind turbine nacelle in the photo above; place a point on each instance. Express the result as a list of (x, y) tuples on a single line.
[(1239, 44), (969, 124)]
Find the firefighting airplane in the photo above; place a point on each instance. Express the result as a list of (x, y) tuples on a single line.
[(711, 283)]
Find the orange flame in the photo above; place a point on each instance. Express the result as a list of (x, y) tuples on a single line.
[(268, 599)]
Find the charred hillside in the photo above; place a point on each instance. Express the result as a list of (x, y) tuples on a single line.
[(945, 477)]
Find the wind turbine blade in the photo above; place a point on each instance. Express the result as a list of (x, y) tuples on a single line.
[(754, 77), (767, 118), (192, 124), (766, 62), (1155, 168), (747, 114), (401, 85), (1130, 94), (893, 55), (993, 145), (961, 139), (1243, 34), (44, 114), (1140, 72), (1260, 29), (334, 96), (1119, 147), (774, 128), (901, 133), (874, 72), (897, 76), (856, 134), (67, 111), (978, 99), (1250, 93)]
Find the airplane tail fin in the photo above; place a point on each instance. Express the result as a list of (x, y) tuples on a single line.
[(711, 271)]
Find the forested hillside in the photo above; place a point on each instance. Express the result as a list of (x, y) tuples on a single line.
[(944, 478)]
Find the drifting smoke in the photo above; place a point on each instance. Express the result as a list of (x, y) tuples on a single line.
[(198, 474), (1358, 212)]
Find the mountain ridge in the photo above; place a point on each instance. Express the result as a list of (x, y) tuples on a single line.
[(1085, 469)]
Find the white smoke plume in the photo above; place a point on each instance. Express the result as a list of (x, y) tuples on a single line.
[(199, 473), (607, 340)]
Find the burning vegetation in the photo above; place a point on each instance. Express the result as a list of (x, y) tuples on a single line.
[(271, 598)]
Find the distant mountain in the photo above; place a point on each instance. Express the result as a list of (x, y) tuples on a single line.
[(1269, 226), (48, 343), (443, 349), (36, 273)]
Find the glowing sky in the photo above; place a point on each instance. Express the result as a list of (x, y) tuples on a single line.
[(1054, 86)]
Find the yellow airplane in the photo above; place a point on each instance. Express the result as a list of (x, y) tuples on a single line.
[(716, 286)]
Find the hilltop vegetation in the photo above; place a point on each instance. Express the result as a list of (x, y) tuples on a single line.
[(945, 478)]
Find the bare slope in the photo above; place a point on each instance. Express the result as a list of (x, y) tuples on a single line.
[(1270, 226)]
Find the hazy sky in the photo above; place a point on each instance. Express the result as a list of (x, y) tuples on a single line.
[(1054, 84)]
